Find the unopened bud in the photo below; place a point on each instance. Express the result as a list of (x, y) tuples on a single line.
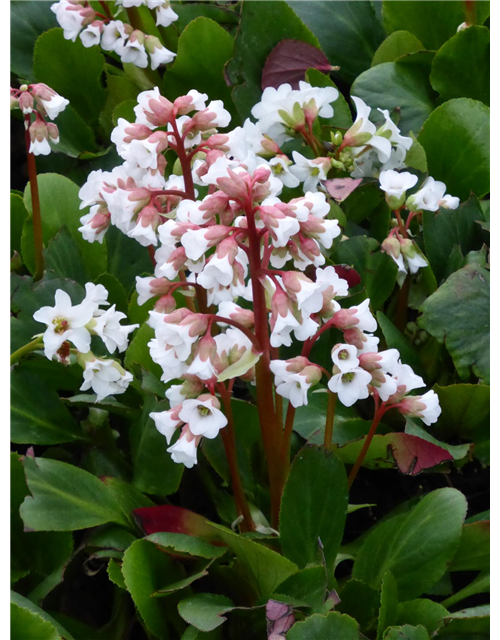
[(26, 102)]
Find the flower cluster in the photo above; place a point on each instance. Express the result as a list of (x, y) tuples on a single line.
[(77, 17), (69, 324), (41, 101), (252, 253)]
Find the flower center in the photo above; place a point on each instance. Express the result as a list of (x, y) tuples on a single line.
[(343, 354), (203, 411), (60, 324), (315, 171), (348, 377), (278, 169)]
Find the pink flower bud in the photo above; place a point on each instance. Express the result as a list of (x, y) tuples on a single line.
[(53, 132), (165, 304), (26, 102)]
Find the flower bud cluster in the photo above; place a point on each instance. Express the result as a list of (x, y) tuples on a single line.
[(69, 324), (77, 17), (41, 101)]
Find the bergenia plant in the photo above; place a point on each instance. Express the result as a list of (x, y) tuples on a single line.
[(255, 314)]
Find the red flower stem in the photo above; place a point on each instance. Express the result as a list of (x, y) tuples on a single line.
[(401, 224), (229, 441), (184, 160), (379, 412), (106, 8), (168, 192), (237, 325), (330, 417), (270, 428), (35, 203)]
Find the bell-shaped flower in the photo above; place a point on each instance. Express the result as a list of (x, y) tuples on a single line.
[(167, 422), (203, 416), (104, 377), (358, 317), (294, 378), (184, 450), (95, 224), (107, 326), (310, 172), (91, 36), (345, 357), (350, 386), (425, 407), (396, 185)]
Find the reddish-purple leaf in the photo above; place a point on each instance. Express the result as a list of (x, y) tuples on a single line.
[(289, 61), (279, 618), (172, 519), (348, 273), (341, 188), (413, 454)]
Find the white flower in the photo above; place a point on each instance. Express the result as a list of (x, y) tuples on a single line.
[(449, 202), (106, 377), (165, 356), (96, 293), (184, 450), (203, 416), (345, 357), (114, 36), (70, 19), (165, 15), (222, 116), (351, 386), (425, 407), (161, 55), (195, 243), (363, 132), (407, 378), (284, 325), (114, 335), (40, 147), (280, 169), (134, 52), (328, 277), (402, 143), (310, 172), (142, 106), (396, 184), (166, 422), (293, 379), (365, 320), (65, 322), (94, 225), (431, 196), (91, 36)]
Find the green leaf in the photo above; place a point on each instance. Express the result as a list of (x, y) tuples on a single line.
[(395, 45), (480, 584), (28, 625), (73, 71), (59, 204), (360, 601), (330, 627), (431, 22), (76, 137), (473, 553), (178, 585), (311, 520), (448, 228), (265, 568), (115, 573), (262, 26), (65, 498), (116, 291), (349, 33), (396, 340), (138, 351), (307, 585), (393, 85), (37, 414), (415, 156), (456, 140), (407, 632), (154, 470), (144, 569), (205, 611), (421, 612), (416, 547), (194, 68), (18, 215), (388, 604), (342, 117), (27, 21), (126, 258), (467, 624), (63, 258), (457, 314), (461, 68), (126, 497), (182, 544), (23, 603), (377, 270), (414, 428)]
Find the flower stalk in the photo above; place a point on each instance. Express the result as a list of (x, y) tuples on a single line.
[(35, 204)]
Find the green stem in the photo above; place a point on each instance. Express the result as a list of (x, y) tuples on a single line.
[(330, 416), (379, 412), (35, 204), (34, 345)]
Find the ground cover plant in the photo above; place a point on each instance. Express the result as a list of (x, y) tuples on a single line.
[(250, 320)]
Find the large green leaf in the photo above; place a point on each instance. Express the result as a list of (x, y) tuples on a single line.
[(18, 215), (262, 26), (395, 45), (473, 553), (76, 137), (126, 258), (456, 140), (24, 603), (63, 258), (461, 68), (265, 568), (467, 624), (396, 340), (154, 470), (480, 584), (203, 50), (205, 611), (59, 204), (446, 229), (377, 270), (312, 520), (458, 315), (183, 544), (393, 85), (388, 604), (406, 632), (28, 625), (421, 611), (415, 547), (73, 71), (27, 21), (348, 32), (330, 627), (37, 414), (360, 601), (145, 569), (432, 22), (65, 498), (307, 585)]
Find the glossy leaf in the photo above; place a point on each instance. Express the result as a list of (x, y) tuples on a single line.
[(28, 625), (172, 519), (388, 604), (330, 627), (457, 314), (183, 544), (63, 258), (27, 22), (396, 340), (397, 44), (456, 140), (407, 632), (416, 549), (360, 601), (312, 522), (24, 603), (65, 498), (472, 623), (307, 585), (473, 553), (423, 612), (205, 611)]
